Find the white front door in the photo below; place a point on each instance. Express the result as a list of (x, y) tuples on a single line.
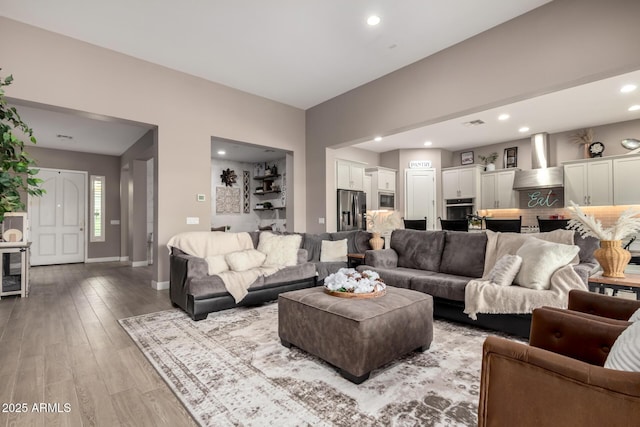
[(58, 218), (420, 195)]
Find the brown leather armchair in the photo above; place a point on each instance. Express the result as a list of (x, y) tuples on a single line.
[(602, 305), (558, 379)]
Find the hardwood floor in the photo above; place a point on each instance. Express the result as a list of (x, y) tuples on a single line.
[(63, 345)]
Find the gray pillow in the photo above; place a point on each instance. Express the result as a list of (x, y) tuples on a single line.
[(635, 316), (505, 270)]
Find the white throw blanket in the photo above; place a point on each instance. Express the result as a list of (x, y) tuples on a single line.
[(482, 296), (237, 282), (206, 245)]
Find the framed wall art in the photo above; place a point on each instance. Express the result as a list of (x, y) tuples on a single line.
[(466, 158), (511, 157)]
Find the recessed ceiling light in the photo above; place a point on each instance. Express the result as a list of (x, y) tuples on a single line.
[(222, 152), (373, 20), (377, 139), (628, 88), (634, 108), (523, 129), (428, 143), (504, 116)]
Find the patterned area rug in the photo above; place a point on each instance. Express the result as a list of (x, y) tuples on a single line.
[(231, 369)]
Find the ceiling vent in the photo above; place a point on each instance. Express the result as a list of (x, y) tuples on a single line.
[(474, 123), (67, 137)]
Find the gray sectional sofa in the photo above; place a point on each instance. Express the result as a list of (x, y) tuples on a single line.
[(198, 293), (441, 263)]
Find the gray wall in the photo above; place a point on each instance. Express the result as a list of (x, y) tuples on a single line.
[(559, 45), (94, 164), (133, 163)]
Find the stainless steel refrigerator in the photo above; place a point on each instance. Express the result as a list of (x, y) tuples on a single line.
[(352, 207)]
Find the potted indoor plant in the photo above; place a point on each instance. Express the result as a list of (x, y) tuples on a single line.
[(489, 160), (379, 222), (17, 174), (611, 256)]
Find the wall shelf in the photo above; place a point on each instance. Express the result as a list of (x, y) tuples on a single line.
[(275, 208), (266, 177), (260, 193)]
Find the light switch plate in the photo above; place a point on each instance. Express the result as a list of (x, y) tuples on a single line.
[(320, 220), (193, 220), (201, 198), (115, 222)]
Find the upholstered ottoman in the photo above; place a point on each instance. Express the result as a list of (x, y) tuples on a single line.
[(356, 335)]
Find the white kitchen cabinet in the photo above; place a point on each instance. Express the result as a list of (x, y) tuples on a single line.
[(626, 171), (497, 190), (349, 175), (386, 180), (382, 179), (589, 183), (461, 183)]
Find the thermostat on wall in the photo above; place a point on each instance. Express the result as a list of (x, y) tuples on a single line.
[(201, 197)]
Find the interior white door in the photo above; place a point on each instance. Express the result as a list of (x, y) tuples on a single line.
[(58, 218), (420, 195)]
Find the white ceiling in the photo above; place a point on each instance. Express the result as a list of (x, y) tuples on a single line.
[(243, 152), (90, 133), (582, 106), (300, 53)]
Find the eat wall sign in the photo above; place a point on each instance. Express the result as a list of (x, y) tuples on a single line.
[(542, 198)]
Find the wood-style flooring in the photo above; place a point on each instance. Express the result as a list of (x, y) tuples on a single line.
[(63, 345)]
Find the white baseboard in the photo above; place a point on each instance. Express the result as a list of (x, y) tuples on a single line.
[(124, 258), (159, 286), (105, 259), (139, 263)]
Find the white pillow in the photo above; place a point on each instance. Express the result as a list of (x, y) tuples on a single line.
[(505, 270), (334, 251), (635, 316), (540, 259), (244, 260), (217, 264), (625, 352), (279, 249)]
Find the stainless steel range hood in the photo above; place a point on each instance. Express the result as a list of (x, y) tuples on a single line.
[(541, 176)]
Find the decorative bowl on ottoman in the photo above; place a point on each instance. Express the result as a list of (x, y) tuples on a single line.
[(350, 283)]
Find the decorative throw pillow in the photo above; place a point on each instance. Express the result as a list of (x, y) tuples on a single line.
[(216, 264), (245, 260), (280, 249), (540, 259), (635, 316), (625, 352), (334, 251), (505, 270)]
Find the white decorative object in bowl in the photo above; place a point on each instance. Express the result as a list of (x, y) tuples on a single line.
[(350, 283)]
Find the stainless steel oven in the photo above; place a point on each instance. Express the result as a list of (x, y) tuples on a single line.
[(386, 200), (458, 208)]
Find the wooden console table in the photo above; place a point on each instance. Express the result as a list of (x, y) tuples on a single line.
[(629, 283), (14, 268)]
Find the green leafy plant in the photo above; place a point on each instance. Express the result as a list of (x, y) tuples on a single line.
[(489, 158), (17, 174)]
